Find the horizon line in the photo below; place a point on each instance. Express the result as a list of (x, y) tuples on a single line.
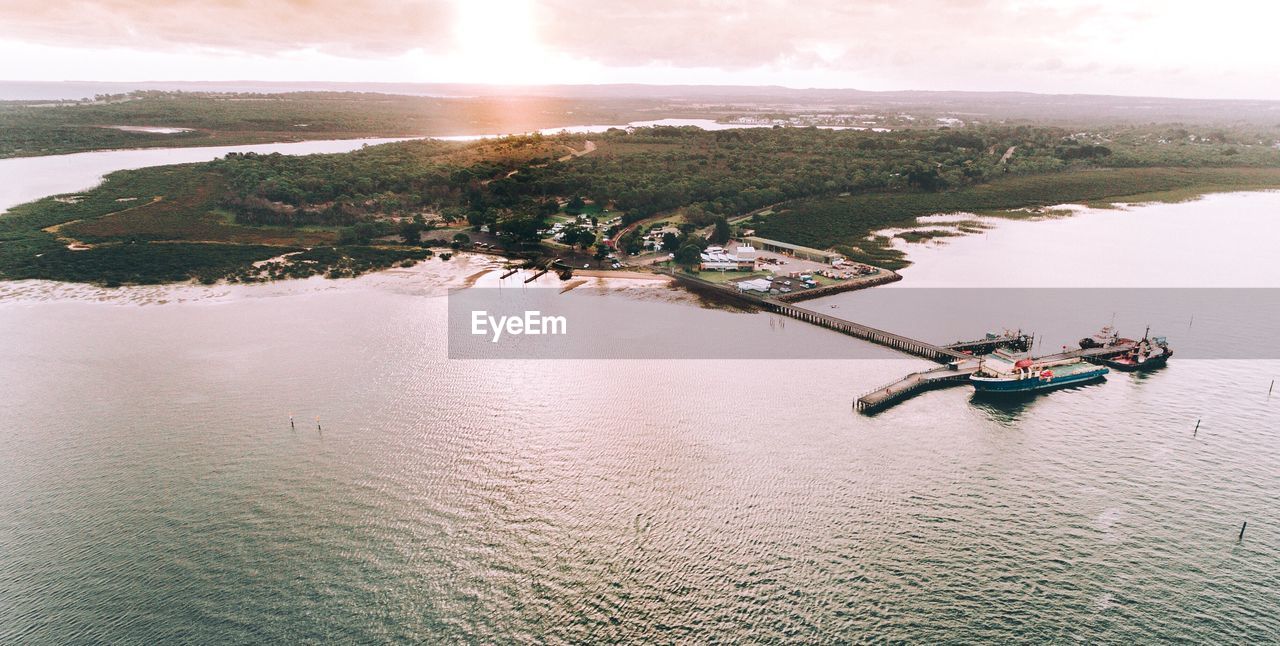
[(637, 85)]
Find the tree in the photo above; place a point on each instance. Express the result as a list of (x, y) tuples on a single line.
[(411, 231), (926, 179), (575, 205), (697, 215), (462, 239), (690, 254), (670, 241), (573, 235), (360, 233), (721, 233), (630, 242), (521, 228), (478, 219)]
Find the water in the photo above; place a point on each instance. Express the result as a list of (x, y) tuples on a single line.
[(705, 124), (1220, 240), (23, 179), (1194, 271), (151, 487)]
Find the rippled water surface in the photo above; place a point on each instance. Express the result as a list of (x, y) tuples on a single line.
[(151, 487)]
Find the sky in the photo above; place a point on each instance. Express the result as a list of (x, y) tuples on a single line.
[(1176, 48)]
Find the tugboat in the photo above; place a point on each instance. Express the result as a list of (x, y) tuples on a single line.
[(1003, 373), (1150, 352), (1105, 337)]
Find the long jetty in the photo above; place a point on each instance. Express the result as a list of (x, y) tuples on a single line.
[(898, 342), (959, 359), (923, 349)]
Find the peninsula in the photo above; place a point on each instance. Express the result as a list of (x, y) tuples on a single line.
[(597, 199)]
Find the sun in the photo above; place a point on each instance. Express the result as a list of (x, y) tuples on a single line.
[(497, 43)]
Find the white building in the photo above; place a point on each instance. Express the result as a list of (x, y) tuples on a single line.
[(761, 285), (722, 261)]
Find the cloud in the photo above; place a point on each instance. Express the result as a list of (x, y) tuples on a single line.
[(1164, 45), (718, 33), (1168, 47), (343, 27)]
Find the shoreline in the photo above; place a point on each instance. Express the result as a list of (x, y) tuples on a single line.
[(889, 239), (621, 274)]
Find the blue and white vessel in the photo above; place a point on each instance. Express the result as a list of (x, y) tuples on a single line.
[(1005, 373)]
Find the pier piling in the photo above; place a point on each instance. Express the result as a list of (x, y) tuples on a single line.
[(1197, 430), (1241, 538)]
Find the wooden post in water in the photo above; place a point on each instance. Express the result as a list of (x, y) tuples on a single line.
[(1273, 387), (291, 420), (1193, 433), (1241, 538)]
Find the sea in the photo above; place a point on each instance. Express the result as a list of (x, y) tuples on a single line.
[(303, 462)]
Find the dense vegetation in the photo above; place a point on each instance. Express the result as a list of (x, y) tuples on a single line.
[(164, 225), (704, 174), (43, 128), (824, 188), (848, 221)]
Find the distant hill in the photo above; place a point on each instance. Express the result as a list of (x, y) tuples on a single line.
[(986, 105)]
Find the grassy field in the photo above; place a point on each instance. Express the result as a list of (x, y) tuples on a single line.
[(715, 276)]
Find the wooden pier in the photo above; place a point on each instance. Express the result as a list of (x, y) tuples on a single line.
[(1093, 355), (961, 358), (923, 349), (898, 342), (1012, 340), (914, 384), (958, 373)]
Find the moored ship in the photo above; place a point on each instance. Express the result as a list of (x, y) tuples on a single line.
[(1004, 373), (1105, 337), (1149, 352)]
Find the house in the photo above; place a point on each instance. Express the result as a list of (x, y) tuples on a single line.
[(655, 235), (723, 261)]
